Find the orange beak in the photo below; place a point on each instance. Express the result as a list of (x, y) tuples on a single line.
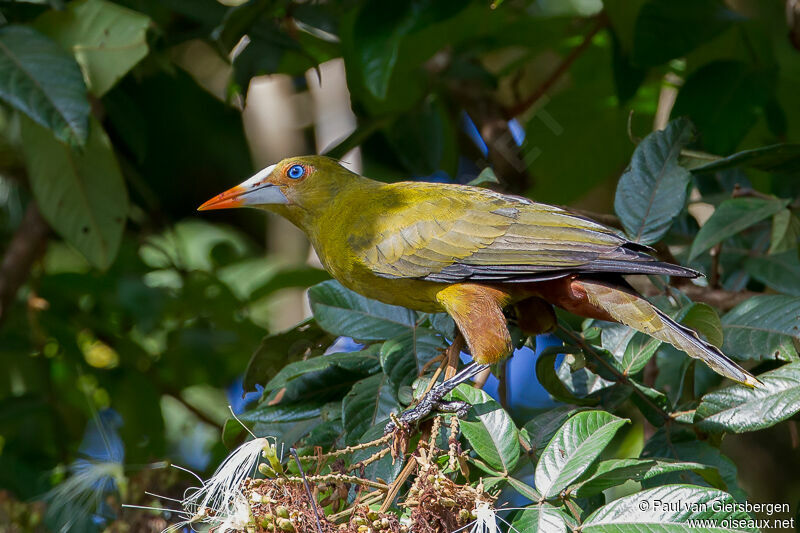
[(256, 191), (230, 198)]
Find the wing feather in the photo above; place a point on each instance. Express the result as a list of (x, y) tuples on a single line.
[(470, 234)]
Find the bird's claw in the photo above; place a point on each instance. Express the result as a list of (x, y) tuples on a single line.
[(429, 403)]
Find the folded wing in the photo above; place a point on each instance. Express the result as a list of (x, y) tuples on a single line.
[(458, 234)]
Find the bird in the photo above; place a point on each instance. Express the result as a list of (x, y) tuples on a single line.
[(470, 252)]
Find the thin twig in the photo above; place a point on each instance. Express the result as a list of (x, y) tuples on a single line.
[(26, 246), (621, 378), (601, 21)]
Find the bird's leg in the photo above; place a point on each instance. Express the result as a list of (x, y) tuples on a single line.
[(432, 401), (478, 312)]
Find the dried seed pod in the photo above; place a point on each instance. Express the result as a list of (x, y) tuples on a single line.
[(447, 502)]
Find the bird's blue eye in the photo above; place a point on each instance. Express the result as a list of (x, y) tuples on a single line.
[(296, 172)]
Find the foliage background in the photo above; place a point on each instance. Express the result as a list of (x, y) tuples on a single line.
[(119, 118)]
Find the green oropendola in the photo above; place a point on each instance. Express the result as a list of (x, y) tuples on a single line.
[(470, 252)]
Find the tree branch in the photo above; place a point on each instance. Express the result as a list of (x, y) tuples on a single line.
[(601, 21), (27, 245)]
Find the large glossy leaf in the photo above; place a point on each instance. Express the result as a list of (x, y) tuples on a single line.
[(731, 217), (613, 472), (705, 320), (672, 445), (370, 401), (723, 99), (541, 428), (763, 327), (403, 357), (777, 158), (344, 312), (667, 509), (81, 193), (738, 408), (364, 362), (573, 449), (489, 429), (275, 351), (631, 349), (785, 232), (44, 82), (780, 272), (666, 29), (380, 28), (652, 191), (106, 39), (542, 517)]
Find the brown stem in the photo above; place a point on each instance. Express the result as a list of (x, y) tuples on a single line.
[(601, 21), (27, 245)]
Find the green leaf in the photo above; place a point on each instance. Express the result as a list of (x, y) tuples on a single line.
[(489, 429), (704, 319), (666, 509), (106, 39), (276, 350), (671, 445), (423, 139), (776, 158), (731, 217), (780, 272), (40, 79), (724, 100), (380, 28), (487, 175), (344, 312), (271, 414), (541, 517), (573, 449), (613, 472), (763, 327), (542, 427), (652, 408), (652, 192), (81, 194), (364, 362), (403, 357), (785, 232), (738, 408), (548, 378), (370, 401), (666, 29)]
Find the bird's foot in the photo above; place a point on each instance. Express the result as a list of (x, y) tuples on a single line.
[(433, 400)]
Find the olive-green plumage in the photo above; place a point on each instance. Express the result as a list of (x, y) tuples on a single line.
[(466, 250)]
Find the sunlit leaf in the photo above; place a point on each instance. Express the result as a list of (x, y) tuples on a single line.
[(739, 408), (573, 448), (489, 429), (652, 191)]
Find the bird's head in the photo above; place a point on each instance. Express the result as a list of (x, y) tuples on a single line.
[(305, 183)]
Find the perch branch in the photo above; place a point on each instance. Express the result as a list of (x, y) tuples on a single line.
[(27, 245)]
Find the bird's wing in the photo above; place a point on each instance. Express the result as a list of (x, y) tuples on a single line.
[(453, 234)]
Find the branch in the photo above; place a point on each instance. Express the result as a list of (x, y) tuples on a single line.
[(601, 21), (27, 245)]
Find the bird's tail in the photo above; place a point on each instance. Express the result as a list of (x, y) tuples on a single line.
[(634, 311)]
